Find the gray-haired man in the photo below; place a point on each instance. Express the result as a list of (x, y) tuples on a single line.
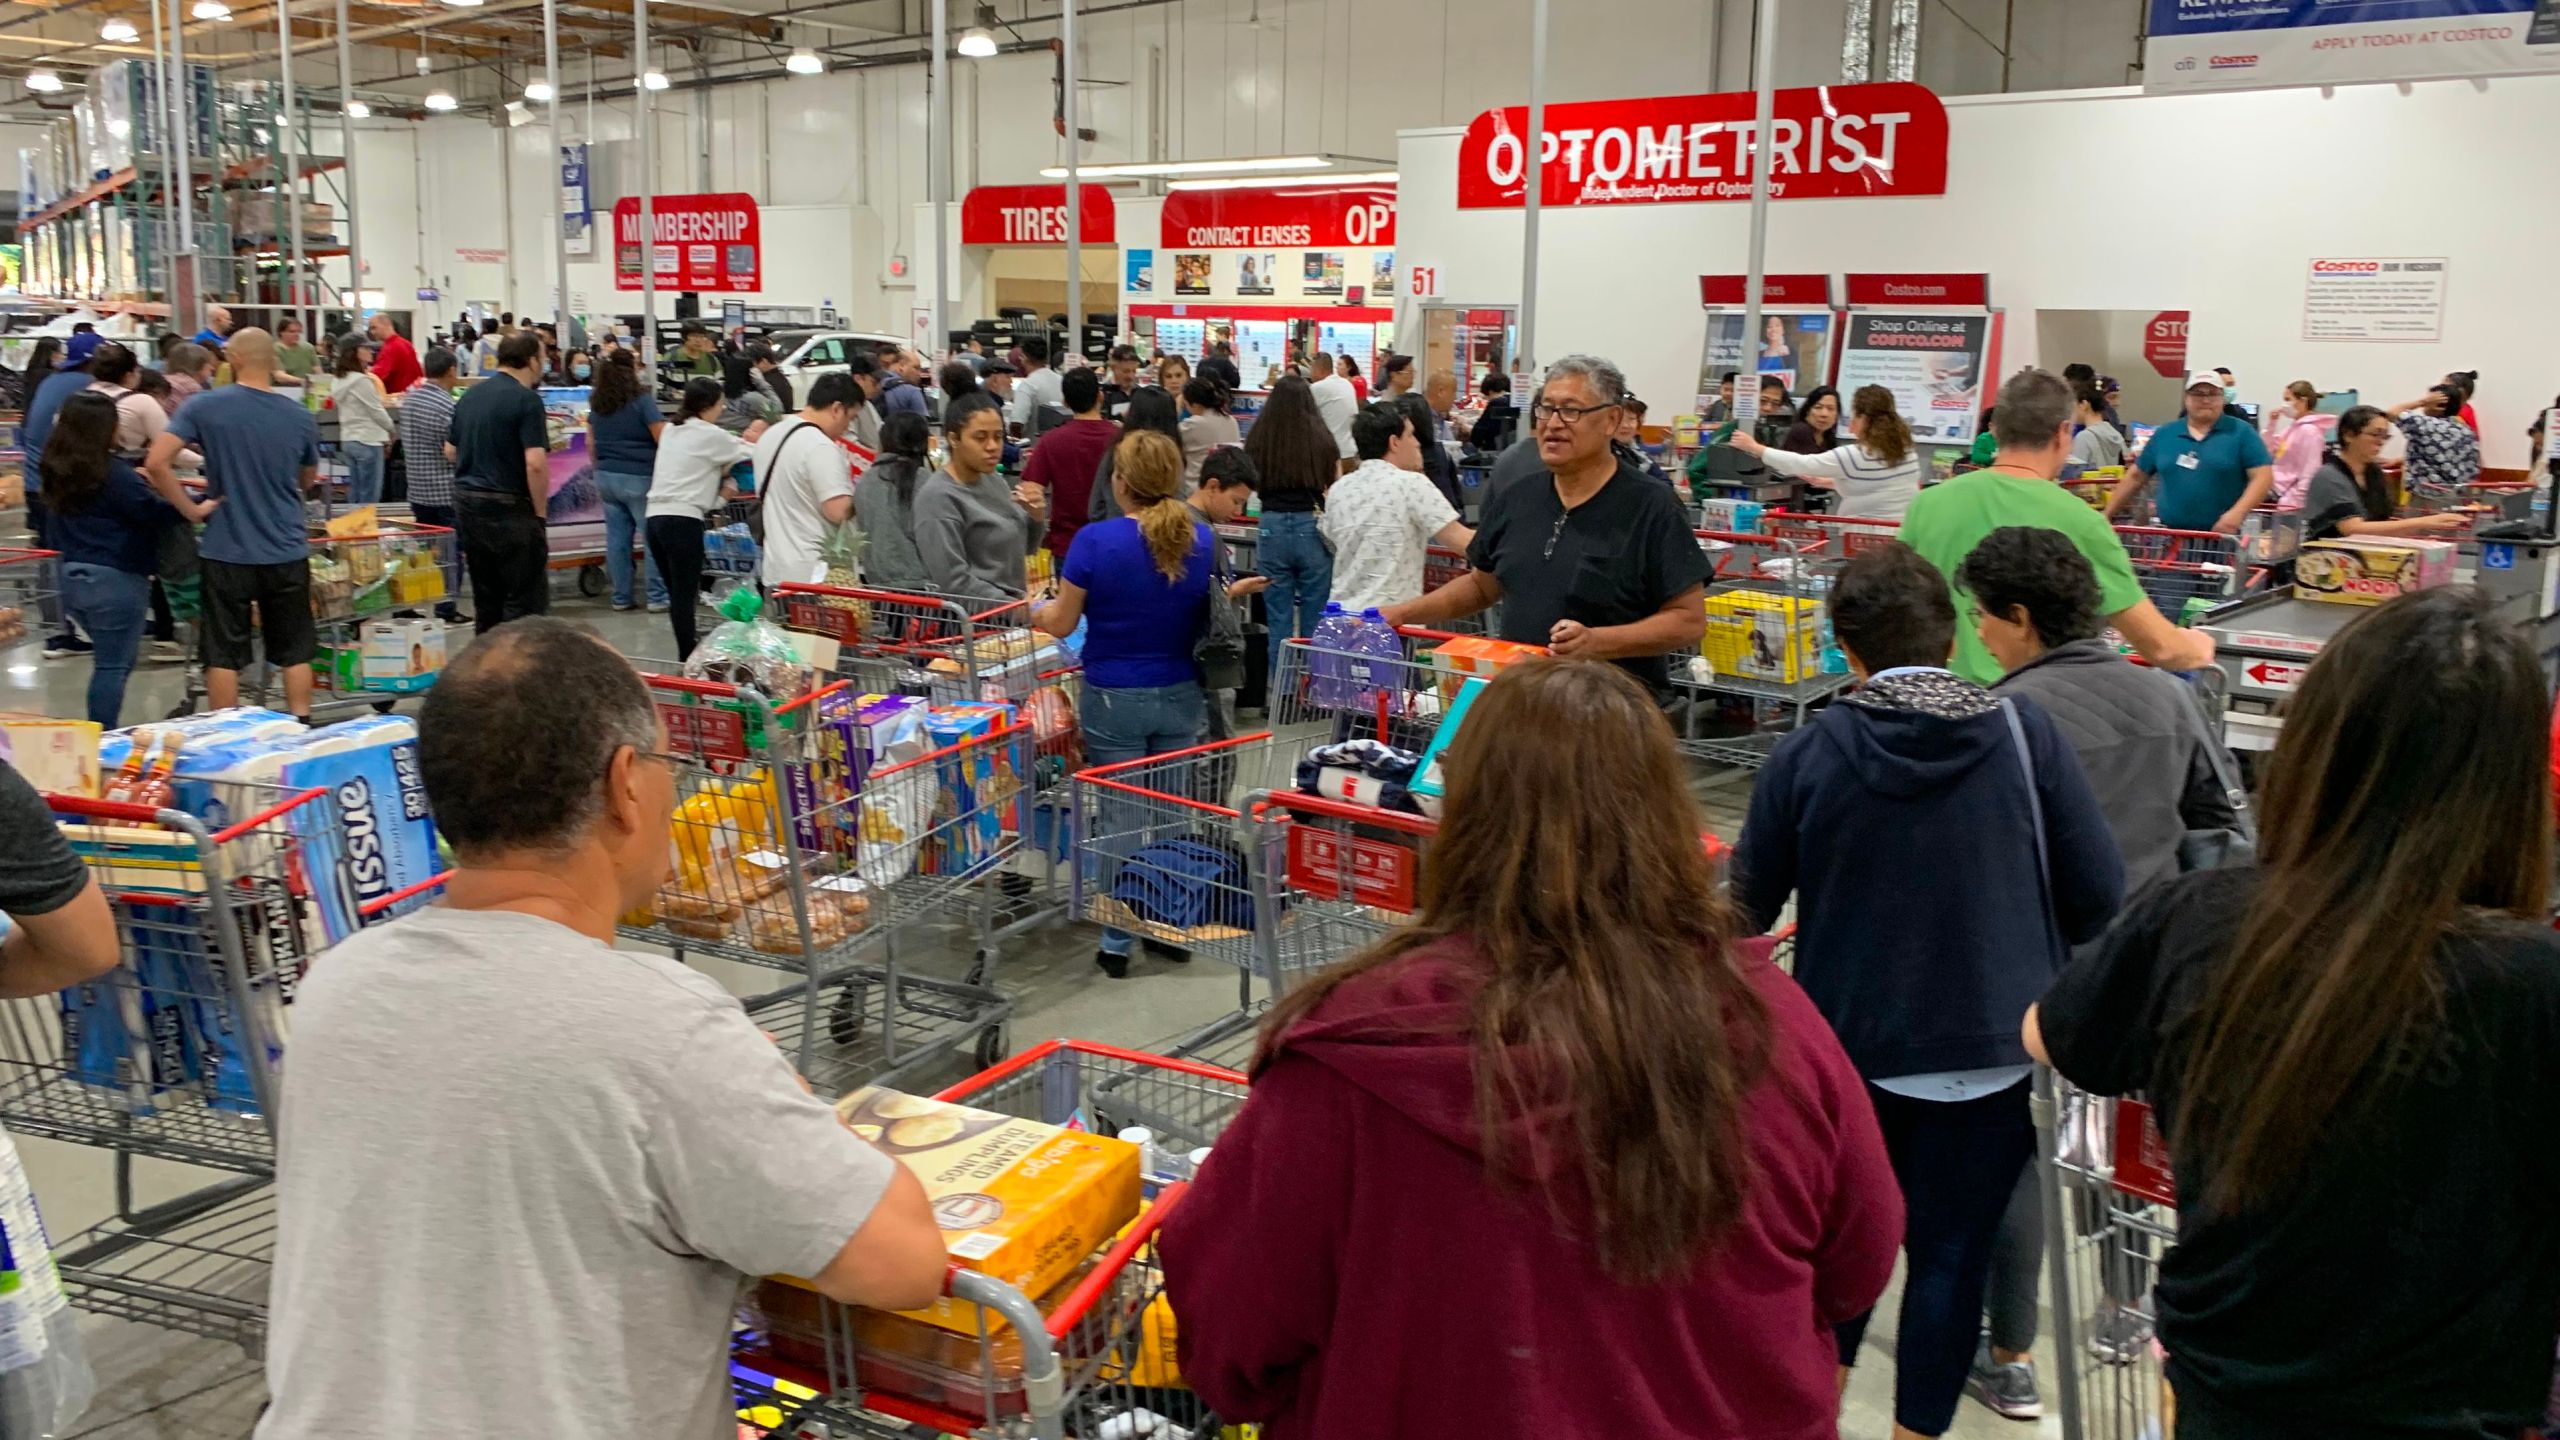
[(522, 1174), (1599, 561)]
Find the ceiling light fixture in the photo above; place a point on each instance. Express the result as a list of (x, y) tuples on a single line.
[(211, 10), (653, 79), (805, 61), (1196, 167), (538, 89), (119, 32), (442, 100), (43, 82), (358, 110), (977, 43), (465, 4), (1327, 181)]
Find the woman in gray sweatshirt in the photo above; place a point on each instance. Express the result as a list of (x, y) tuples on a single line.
[(884, 503), (973, 533)]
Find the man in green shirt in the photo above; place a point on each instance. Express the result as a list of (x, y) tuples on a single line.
[(295, 357), (2033, 428)]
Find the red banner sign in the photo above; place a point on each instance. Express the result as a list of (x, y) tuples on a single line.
[(1037, 215), (2164, 344), (1284, 217), (1829, 142), (1812, 291), (702, 242), (1935, 291)]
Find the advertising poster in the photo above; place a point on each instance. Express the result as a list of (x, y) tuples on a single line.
[(2259, 44), (1382, 273), (2363, 298), (577, 216), (1795, 348), (1255, 274), (575, 500), (1931, 363), (1357, 339), (703, 242), (1191, 274), (1262, 349), (1324, 273), (1142, 272)]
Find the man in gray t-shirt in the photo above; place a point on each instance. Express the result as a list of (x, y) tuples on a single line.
[(522, 1175)]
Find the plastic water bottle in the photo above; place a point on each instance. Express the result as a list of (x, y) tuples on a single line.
[(1329, 660), (1378, 666), (1150, 1164)]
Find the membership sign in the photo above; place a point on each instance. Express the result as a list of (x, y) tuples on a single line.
[(2360, 298), (703, 242)]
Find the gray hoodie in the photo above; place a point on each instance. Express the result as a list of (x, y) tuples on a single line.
[(973, 538), (890, 559)]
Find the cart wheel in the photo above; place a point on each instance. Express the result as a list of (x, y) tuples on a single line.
[(844, 1017), (590, 581), (980, 968), (384, 707), (993, 1045), (182, 710)]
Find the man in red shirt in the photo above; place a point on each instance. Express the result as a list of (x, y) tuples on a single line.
[(1067, 456), (395, 360)]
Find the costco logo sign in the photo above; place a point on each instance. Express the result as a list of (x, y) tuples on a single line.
[(2232, 62), (2346, 267), (1826, 142)]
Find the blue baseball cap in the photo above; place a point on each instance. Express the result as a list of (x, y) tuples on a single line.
[(77, 350)]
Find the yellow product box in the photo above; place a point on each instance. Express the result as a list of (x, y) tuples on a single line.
[(1476, 657), (2371, 572), (1762, 636), (57, 757), (1018, 1201)]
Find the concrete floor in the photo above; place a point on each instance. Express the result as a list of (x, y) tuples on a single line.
[(158, 1384)]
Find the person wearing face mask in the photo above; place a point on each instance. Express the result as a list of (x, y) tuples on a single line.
[(2350, 496), (2301, 437), (973, 533)]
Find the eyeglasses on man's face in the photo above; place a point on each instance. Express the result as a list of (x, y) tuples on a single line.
[(1572, 415)]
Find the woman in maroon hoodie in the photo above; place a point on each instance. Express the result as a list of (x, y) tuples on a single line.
[(1565, 1157)]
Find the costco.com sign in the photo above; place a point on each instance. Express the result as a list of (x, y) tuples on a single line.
[(1826, 142)]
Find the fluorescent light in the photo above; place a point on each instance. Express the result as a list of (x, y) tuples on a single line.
[(1273, 182), (465, 4), (358, 110), (538, 89), (805, 61), (976, 43), (211, 10), (119, 32), (442, 100), (653, 79), (1195, 167), (43, 82)]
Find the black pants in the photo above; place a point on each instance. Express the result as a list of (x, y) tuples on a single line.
[(675, 547), (425, 513), (510, 556)]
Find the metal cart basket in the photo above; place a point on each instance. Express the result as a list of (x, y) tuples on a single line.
[(2110, 1212)]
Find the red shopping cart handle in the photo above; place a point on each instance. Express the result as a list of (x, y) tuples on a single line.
[(721, 690), (1340, 810), (103, 809), (376, 906)]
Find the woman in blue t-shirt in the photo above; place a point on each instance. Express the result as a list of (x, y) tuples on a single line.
[(623, 426), (1140, 583), (104, 520)]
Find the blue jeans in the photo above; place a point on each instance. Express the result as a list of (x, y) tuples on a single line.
[(1131, 725), (626, 524), (1291, 552), (110, 607), (364, 472)]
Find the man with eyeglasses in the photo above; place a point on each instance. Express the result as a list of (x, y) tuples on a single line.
[(1598, 561)]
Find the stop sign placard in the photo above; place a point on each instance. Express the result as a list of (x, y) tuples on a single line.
[(2164, 344)]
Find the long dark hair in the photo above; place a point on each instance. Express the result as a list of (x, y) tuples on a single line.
[(617, 384), (1151, 407), (904, 439), (2373, 488), (1574, 876), (2409, 801), (74, 468), (1292, 449), (701, 393), (40, 360)]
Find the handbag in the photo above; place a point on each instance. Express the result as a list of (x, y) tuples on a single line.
[(2230, 845), (1220, 650)]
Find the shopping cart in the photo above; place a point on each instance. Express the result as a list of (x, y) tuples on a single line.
[(730, 555), (1440, 567), (1322, 694), (1329, 879), (2185, 572), (30, 595), (954, 650), (174, 1055), (788, 857), (1767, 658), (2110, 1212), (1096, 1363), (1834, 537)]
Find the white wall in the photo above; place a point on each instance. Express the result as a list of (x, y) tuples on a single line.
[(2101, 202)]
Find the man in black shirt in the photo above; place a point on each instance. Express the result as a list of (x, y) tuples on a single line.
[(1598, 561), (502, 486), (1220, 365)]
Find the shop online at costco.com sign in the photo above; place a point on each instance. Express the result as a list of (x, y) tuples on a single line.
[(1826, 142)]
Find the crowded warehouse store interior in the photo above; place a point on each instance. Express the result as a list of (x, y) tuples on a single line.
[(1279, 720)]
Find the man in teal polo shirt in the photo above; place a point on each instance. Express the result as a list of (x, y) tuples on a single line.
[(2213, 470)]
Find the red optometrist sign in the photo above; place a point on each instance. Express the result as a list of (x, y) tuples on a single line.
[(704, 242), (1830, 142), (1281, 217)]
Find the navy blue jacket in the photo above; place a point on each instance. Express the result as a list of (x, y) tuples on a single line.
[(1899, 818)]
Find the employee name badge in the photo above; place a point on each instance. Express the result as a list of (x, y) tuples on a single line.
[(2187, 461)]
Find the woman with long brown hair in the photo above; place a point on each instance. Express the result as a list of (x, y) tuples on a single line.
[(2353, 1048), (1875, 475), (1294, 452), (1564, 1155)]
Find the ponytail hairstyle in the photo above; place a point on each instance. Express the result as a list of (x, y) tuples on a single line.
[(1887, 434), (701, 394), (1151, 467), (2306, 392)]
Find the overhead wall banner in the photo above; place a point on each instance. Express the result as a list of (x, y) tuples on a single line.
[(2253, 44), (1037, 215), (702, 242), (1283, 217), (1827, 142)]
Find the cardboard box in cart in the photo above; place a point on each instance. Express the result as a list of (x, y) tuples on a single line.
[(2370, 572)]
